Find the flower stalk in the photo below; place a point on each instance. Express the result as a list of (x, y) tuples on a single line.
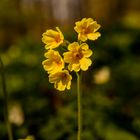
[(2, 72), (79, 107)]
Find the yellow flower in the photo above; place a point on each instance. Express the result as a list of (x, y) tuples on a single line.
[(86, 29), (54, 62), (77, 56), (52, 38), (61, 80)]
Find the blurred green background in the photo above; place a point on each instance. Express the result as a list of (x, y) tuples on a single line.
[(111, 87)]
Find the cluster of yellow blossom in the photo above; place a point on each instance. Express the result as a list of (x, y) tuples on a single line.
[(76, 56)]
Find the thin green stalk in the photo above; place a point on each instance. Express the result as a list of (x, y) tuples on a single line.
[(2, 72), (79, 106)]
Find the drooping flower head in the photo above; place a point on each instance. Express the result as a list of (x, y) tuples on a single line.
[(52, 38), (61, 80), (78, 56), (54, 62), (86, 29)]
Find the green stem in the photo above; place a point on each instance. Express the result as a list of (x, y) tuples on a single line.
[(79, 106), (9, 130)]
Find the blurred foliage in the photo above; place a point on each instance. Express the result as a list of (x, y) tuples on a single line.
[(110, 88)]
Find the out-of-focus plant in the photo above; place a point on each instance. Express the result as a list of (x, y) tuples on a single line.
[(28, 138), (73, 57), (5, 95)]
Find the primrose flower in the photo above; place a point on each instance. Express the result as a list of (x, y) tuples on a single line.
[(78, 56), (86, 29), (61, 80), (54, 62), (52, 38)]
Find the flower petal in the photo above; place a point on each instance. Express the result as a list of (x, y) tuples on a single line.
[(73, 46), (51, 33), (87, 53), (73, 66), (60, 86), (94, 36), (82, 37), (96, 26), (67, 57), (84, 46), (85, 63), (47, 64), (61, 34)]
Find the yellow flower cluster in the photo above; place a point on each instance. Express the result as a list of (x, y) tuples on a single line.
[(76, 57)]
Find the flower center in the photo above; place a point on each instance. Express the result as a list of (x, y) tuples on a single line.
[(78, 55), (85, 30), (57, 39), (64, 77), (58, 61)]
